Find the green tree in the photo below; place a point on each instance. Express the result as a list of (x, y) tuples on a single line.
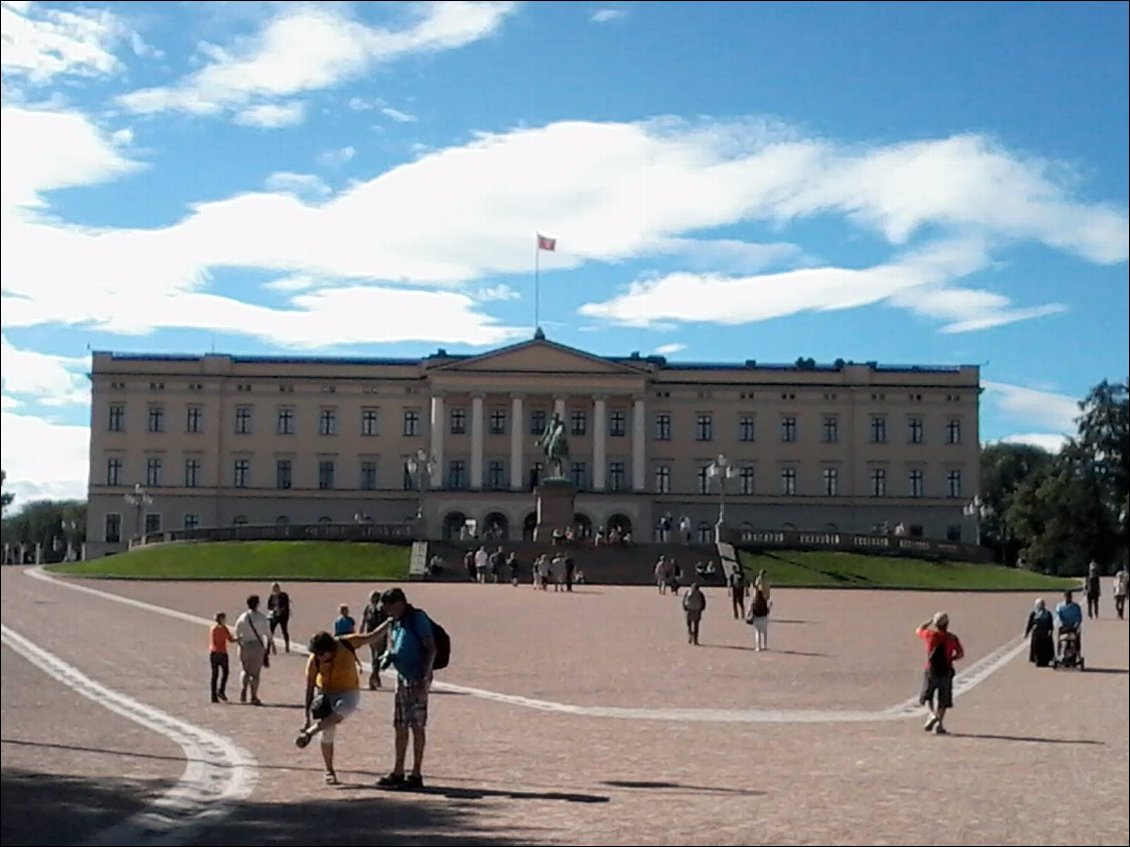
[(1104, 439), (6, 497), (50, 523), (1005, 468)]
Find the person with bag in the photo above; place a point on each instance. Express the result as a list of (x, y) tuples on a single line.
[(250, 630), (333, 688), (694, 604), (758, 617)]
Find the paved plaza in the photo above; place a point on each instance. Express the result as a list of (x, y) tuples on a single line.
[(579, 718)]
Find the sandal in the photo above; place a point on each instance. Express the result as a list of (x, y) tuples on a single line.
[(302, 739), (331, 778)]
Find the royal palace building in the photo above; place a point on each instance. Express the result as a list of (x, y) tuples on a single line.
[(217, 440)]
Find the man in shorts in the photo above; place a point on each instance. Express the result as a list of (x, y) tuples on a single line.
[(942, 649)]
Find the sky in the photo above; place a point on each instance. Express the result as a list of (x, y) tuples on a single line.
[(918, 183)]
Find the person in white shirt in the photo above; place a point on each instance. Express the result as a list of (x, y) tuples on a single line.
[(251, 630), (1121, 581)]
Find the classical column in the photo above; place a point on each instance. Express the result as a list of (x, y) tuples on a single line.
[(477, 441), (517, 429), (599, 433), (436, 427), (639, 436)]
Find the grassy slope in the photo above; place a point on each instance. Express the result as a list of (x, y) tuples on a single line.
[(253, 560), (852, 570)]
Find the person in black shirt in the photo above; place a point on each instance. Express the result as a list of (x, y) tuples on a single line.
[(278, 614)]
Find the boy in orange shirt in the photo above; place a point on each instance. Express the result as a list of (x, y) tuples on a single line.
[(219, 636)]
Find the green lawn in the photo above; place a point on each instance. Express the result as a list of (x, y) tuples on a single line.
[(322, 560), (852, 570)]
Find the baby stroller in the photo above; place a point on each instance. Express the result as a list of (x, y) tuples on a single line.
[(1068, 652)]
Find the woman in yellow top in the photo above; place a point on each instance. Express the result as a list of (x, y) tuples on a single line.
[(332, 671)]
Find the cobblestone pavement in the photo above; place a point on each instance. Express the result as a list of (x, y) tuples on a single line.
[(1035, 756)]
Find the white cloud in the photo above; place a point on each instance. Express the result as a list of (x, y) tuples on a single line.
[(730, 254), (336, 158), (1030, 407), (1049, 441), (397, 115), (291, 283), (7, 402), (141, 48), (122, 137), (601, 16), (301, 185), (360, 104), (43, 459), (502, 291), (308, 48), (42, 43), (670, 349), (272, 115), (52, 380)]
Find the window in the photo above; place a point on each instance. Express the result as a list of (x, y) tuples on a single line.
[(152, 522), (286, 422), (878, 429), (579, 422), (239, 520), (746, 431), (283, 473), (831, 429), (663, 427), (831, 482), (368, 475), (243, 420), (878, 482), (788, 429), (498, 422), (156, 418), (457, 474), (704, 479), (411, 422), (325, 474), (916, 483), (953, 431), (579, 474), (458, 421), (616, 424), (916, 430), (953, 532), (537, 421), (788, 481), (953, 483), (113, 531), (746, 477), (191, 473), (194, 422), (662, 479), (117, 422), (327, 422), (705, 533), (368, 421), (241, 473), (496, 475), (191, 521), (153, 471), (113, 471), (704, 427), (616, 476)]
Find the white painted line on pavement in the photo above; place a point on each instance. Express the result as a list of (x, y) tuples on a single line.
[(217, 772)]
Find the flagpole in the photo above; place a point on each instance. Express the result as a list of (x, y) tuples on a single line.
[(537, 282)]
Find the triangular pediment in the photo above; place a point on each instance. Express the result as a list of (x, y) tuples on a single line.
[(541, 356)]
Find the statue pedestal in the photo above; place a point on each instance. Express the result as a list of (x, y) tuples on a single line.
[(555, 507)]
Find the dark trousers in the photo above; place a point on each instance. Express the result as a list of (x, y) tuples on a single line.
[(219, 672), (1092, 605), (737, 596), (281, 622), (1120, 604)]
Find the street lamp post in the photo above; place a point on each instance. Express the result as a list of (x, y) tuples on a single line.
[(69, 527), (977, 509), (138, 498), (420, 468), (723, 470)]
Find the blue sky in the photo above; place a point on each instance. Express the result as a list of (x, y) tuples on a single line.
[(911, 183)]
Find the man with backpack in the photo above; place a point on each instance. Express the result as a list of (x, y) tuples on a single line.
[(415, 643), (942, 649)]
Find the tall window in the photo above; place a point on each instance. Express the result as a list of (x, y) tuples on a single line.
[(117, 420), (113, 471), (704, 479), (662, 479), (917, 483), (916, 430), (746, 430), (327, 422), (746, 477), (831, 482), (616, 476), (616, 424), (537, 421), (191, 521), (878, 482), (156, 418), (457, 474), (368, 475), (411, 422), (286, 422), (241, 477), (153, 468), (152, 522), (496, 475), (368, 421), (788, 428), (788, 481), (194, 420), (113, 534), (191, 473), (831, 429), (498, 422), (579, 422), (243, 420), (326, 474), (458, 421), (878, 429), (283, 473), (579, 474), (663, 427), (953, 483), (704, 427), (953, 431)]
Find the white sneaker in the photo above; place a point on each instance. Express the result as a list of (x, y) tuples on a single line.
[(930, 724)]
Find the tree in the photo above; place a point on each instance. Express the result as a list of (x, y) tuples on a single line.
[(1104, 433), (50, 523), (6, 497), (1005, 468)]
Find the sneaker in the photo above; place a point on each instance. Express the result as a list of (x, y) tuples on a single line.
[(223, 696), (940, 730), (215, 699), (393, 780), (930, 724), (414, 782)]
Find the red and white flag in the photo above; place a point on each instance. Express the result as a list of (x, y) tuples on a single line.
[(547, 243)]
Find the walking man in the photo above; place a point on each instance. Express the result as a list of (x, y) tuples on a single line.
[(1121, 582), (738, 591), (942, 649), (251, 629), (694, 604)]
